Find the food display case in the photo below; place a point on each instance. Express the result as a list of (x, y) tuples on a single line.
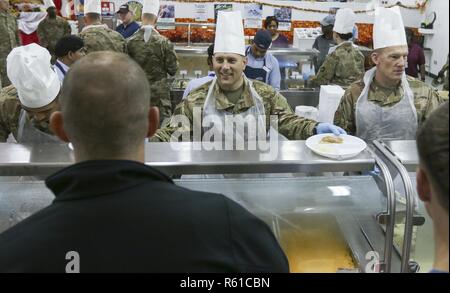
[(325, 222)]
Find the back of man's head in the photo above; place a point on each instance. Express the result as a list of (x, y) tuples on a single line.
[(105, 104), (433, 148), (149, 19), (66, 44), (91, 18)]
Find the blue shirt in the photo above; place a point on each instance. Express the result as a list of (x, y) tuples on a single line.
[(196, 83), (274, 77), (129, 30)]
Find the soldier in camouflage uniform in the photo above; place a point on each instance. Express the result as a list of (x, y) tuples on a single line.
[(345, 63), (9, 39), (426, 99), (342, 67), (157, 57), (51, 29), (98, 37), (387, 104), (289, 124)]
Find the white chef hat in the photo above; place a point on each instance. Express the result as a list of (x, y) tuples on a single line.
[(388, 29), (48, 4), (345, 21), (92, 6), (30, 72), (151, 6), (229, 33)]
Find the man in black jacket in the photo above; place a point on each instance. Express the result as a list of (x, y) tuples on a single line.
[(112, 213)]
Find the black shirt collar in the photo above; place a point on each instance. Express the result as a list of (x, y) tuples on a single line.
[(96, 178)]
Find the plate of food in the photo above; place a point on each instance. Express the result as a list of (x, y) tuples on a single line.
[(336, 147)]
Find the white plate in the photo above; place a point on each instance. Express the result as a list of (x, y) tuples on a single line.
[(351, 146)]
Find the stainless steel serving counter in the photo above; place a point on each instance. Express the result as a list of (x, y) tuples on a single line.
[(187, 158), (299, 211), (405, 151)]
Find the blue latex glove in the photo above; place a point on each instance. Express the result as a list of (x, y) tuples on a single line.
[(329, 128)]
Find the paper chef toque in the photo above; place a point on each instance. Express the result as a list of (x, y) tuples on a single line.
[(30, 72), (48, 4), (388, 29), (345, 21), (151, 6), (229, 33), (92, 6)]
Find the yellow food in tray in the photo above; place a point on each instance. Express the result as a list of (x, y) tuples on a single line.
[(315, 244), (331, 139)]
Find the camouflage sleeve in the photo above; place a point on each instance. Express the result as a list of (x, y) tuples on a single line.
[(171, 58), (426, 105), (182, 110), (290, 125), (345, 114), (326, 71), (9, 114), (43, 41)]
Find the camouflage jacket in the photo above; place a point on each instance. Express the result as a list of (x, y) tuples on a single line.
[(426, 99), (9, 39), (289, 124), (51, 30), (99, 37), (157, 57), (342, 67), (9, 112)]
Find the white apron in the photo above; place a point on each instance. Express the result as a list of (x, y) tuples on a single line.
[(27, 133), (373, 122), (398, 122), (256, 111)]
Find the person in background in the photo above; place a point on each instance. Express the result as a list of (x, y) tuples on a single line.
[(232, 93), (195, 83), (128, 26), (387, 104), (432, 180), (26, 104), (97, 36), (68, 50), (9, 39), (324, 42), (52, 28), (278, 40), (118, 214), (156, 55), (262, 65), (416, 57), (345, 63)]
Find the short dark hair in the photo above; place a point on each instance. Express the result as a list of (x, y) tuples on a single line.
[(269, 19), (105, 100), (68, 44), (345, 37), (432, 145), (93, 16)]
